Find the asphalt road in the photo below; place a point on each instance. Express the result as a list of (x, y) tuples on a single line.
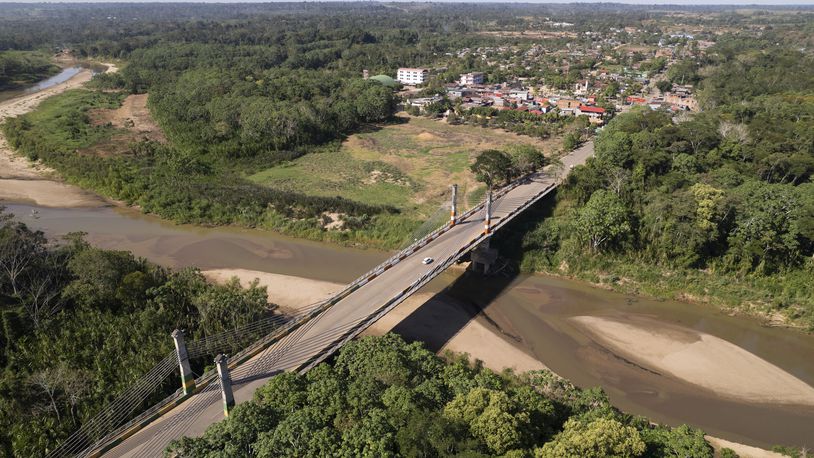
[(192, 417)]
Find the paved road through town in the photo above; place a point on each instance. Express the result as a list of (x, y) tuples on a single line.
[(192, 417)]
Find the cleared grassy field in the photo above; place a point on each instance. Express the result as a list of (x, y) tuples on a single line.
[(409, 165)]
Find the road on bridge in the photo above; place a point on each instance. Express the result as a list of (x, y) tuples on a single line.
[(193, 416)]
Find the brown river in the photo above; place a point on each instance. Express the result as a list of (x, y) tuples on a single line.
[(536, 313)]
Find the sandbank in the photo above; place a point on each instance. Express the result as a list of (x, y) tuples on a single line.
[(287, 291), (743, 451), (698, 358)]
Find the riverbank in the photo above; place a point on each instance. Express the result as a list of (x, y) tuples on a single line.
[(761, 298), (22, 181)]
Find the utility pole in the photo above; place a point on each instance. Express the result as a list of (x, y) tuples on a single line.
[(454, 212), (487, 227), (225, 384), (187, 378)]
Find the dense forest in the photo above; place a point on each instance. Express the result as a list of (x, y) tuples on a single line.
[(19, 68), (713, 206), (78, 324), (230, 106), (382, 397)]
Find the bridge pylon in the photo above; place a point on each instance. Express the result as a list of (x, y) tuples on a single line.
[(187, 377), (487, 225), (454, 208), (225, 384)]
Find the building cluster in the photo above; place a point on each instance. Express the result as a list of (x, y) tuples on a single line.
[(522, 97), (607, 66)]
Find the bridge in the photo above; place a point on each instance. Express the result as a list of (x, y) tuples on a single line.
[(298, 343)]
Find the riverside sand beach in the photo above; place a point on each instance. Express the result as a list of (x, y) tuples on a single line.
[(24, 181)]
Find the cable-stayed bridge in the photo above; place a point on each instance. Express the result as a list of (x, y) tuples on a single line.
[(298, 342)]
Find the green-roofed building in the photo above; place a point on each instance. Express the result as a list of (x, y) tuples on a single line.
[(386, 80)]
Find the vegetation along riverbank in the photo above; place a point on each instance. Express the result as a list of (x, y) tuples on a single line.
[(715, 207)]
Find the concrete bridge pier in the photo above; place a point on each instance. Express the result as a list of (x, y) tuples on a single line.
[(484, 258), (454, 206)]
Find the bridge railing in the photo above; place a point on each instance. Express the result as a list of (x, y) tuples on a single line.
[(425, 278)]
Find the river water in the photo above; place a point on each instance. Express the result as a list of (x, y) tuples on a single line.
[(538, 312), (535, 311), (64, 75), (175, 245)]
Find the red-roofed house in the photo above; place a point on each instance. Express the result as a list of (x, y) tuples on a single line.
[(595, 114)]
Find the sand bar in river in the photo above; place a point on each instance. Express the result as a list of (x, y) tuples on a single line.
[(698, 358)]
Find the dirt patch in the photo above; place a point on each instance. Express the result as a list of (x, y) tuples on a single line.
[(332, 221), (135, 124), (427, 137)]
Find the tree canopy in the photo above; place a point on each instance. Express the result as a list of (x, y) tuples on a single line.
[(384, 397)]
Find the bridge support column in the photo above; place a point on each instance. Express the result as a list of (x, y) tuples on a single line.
[(483, 258), (454, 209), (225, 384), (487, 225), (187, 378)]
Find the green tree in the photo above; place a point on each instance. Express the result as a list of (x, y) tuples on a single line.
[(601, 438), (728, 453), (492, 417), (526, 158), (571, 141), (678, 442), (767, 231), (492, 167), (603, 222)]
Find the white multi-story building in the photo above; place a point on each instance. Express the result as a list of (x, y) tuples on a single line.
[(412, 76), (468, 79)]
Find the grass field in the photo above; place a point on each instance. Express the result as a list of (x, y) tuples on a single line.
[(409, 164)]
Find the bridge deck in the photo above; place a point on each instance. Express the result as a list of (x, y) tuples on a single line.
[(354, 312)]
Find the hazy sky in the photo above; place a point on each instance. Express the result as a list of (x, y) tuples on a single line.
[(634, 2)]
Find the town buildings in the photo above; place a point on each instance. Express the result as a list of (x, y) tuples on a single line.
[(412, 76), (468, 79)]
